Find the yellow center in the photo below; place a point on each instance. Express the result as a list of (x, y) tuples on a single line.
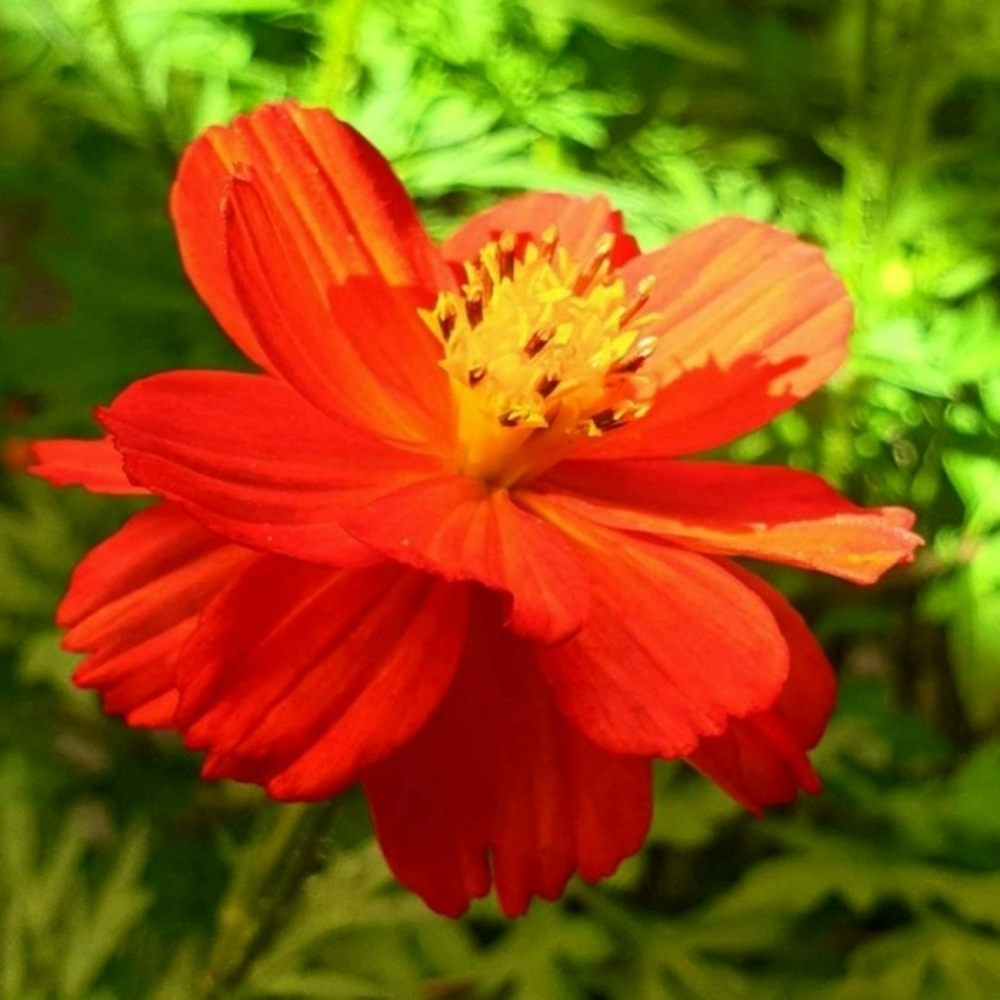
[(543, 352)]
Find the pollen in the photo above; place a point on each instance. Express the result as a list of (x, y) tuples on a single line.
[(544, 353)]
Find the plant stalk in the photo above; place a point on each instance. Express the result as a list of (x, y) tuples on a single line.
[(263, 891)]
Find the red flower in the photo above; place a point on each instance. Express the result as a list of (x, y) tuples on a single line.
[(447, 543)]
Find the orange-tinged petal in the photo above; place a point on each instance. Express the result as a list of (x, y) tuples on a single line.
[(761, 760), (580, 223), (673, 647), (299, 675), (346, 224), (750, 320), (254, 461), (197, 207), (134, 601), (95, 465), (312, 329), (453, 526), (500, 786), (766, 512)]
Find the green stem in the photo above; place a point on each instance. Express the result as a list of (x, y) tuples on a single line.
[(858, 167), (910, 105), (262, 893), (131, 64), (885, 118)]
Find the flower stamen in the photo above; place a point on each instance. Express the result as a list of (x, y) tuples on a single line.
[(597, 267), (474, 307), (548, 243), (445, 315), (643, 291), (506, 246), (547, 385), (538, 340), (544, 353), (635, 357)]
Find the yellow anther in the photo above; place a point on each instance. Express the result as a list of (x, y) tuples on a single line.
[(549, 241), (538, 340), (635, 357), (506, 246), (474, 307), (542, 354), (643, 291), (446, 314), (547, 385), (597, 266)]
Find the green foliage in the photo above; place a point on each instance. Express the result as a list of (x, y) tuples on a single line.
[(869, 126), (350, 937), (968, 598), (60, 928)]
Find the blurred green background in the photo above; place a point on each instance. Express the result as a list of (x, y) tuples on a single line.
[(869, 126)]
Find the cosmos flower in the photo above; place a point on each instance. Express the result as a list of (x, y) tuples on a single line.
[(447, 540)]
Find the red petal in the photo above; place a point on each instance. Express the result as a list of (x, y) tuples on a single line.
[(750, 321), (345, 215), (499, 783), (672, 650), (766, 512), (761, 760), (155, 714), (580, 223), (96, 465), (353, 346), (254, 461), (133, 602), (456, 528), (300, 675)]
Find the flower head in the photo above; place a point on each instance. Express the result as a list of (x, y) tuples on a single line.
[(446, 542)]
